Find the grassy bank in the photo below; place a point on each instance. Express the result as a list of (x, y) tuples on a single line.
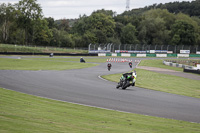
[(163, 82), (26, 113), (39, 64), (31, 49), (158, 63), (68, 59)]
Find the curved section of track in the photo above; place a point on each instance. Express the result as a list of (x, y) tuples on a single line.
[(83, 86)]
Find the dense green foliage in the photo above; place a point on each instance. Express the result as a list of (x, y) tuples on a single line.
[(175, 23)]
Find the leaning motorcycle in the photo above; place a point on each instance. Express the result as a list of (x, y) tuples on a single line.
[(126, 81)]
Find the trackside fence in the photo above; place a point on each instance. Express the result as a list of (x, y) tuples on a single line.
[(147, 55)]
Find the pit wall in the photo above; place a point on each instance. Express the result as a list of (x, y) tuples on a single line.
[(147, 55)]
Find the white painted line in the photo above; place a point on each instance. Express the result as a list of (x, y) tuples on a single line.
[(94, 106), (102, 78), (137, 64)]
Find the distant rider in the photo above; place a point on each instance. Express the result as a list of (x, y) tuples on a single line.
[(133, 79), (109, 66), (82, 60), (51, 55), (130, 64)]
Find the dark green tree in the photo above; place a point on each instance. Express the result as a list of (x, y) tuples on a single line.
[(41, 32), (7, 14), (28, 12), (183, 33), (128, 35), (51, 22)]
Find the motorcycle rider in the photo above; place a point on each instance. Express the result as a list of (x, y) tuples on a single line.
[(127, 79), (51, 55), (130, 64), (82, 60), (109, 66), (133, 77)]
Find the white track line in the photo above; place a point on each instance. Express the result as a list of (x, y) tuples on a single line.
[(95, 106)]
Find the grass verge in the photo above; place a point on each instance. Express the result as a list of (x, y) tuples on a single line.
[(25, 113), (163, 82), (30, 64), (159, 64), (93, 60), (18, 48)]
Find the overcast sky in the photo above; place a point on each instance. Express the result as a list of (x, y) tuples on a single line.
[(68, 9)]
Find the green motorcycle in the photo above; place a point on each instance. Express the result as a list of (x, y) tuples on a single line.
[(126, 80)]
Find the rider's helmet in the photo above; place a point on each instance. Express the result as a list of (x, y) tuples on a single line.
[(134, 73)]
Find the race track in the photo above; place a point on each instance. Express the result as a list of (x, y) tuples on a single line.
[(84, 86)]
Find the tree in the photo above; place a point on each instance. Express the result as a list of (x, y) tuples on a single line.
[(64, 25), (28, 12), (51, 22), (183, 33), (129, 34), (155, 27), (96, 28), (42, 34), (7, 16), (100, 21), (80, 27)]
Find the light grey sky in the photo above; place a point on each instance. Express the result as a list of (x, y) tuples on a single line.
[(59, 9)]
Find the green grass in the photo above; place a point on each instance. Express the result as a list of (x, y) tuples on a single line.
[(158, 63), (25, 113), (39, 64), (18, 48), (163, 82), (77, 59)]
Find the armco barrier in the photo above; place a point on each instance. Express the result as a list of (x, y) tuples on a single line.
[(141, 55), (182, 55), (148, 55), (118, 54), (108, 54), (174, 64), (125, 54), (114, 54), (161, 55), (101, 54), (194, 55), (133, 55), (171, 55)]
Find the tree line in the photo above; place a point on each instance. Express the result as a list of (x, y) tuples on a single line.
[(175, 23)]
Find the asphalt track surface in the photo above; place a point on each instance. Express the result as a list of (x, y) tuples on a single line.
[(83, 86)]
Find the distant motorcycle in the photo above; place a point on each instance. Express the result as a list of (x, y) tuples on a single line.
[(127, 80), (82, 60), (51, 55), (130, 64), (109, 66)]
